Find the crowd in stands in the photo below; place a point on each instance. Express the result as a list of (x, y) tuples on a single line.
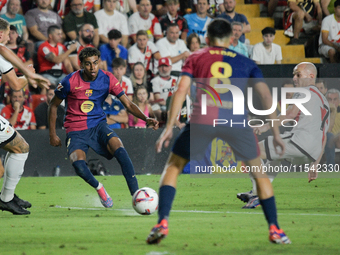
[(144, 43)]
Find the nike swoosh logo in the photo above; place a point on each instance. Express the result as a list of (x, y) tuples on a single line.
[(78, 87), (109, 134)]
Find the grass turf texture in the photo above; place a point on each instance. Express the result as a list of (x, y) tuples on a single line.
[(67, 218)]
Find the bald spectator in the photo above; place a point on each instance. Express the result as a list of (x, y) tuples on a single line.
[(236, 44), (108, 19), (267, 52), (173, 48), (198, 22), (145, 20), (40, 19), (231, 16), (173, 17), (85, 39), (15, 19), (76, 18)]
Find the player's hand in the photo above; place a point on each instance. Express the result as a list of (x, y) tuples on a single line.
[(312, 173), (55, 141), (37, 80), (165, 138), (152, 122), (263, 129), (279, 145)]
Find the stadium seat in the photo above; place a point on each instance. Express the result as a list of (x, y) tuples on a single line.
[(293, 51), (298, 60), (256, 37), (37, 99), (260, 23), (249, 10)]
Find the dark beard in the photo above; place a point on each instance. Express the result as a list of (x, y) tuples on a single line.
[(230, 11), (87, 40)]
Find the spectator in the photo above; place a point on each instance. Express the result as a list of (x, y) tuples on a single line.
[(112, 50), (231, 16), (76, 18), (327, 7), (12, 16), (158, 8), (215, 7), (85, 39), (19, 115), (302, 15), (173, 17), (126, 6), (143, 51), (119, 70), (116, 114), (236, 44), (333, 97), (144, 20), (109, 19), (20, 50), (140, 98), (267, 52), (139, 79), (322, 86), (198, 22), (173, 48), (193, 42), (92, 5), (329, 40), (40, 19), (41, 111), (53, 56), (163, 86)]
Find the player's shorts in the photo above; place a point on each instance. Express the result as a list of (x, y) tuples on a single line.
[(293, 153), (95, 138), (7, 132), (195, 139)]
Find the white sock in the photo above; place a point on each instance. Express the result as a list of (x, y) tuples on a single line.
[(99, 186), (14, 168), (272, 175)]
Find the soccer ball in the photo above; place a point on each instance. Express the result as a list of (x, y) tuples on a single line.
[(145, 201)]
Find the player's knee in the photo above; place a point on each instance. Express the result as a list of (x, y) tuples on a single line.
[(80, 167)]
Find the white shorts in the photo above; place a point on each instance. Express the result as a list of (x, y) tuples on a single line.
[(7, 132), (324, 49), (293, 153)]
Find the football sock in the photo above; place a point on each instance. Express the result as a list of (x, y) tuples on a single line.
[(14, 168), (84, 172), (166, 196), (127, 169), (269, 209)]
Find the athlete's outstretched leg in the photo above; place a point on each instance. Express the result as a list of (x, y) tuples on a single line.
[(167, 191)]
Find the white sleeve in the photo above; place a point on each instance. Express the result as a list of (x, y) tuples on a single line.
[(325, 25), (279, 53), (255, 55), (162, 49), (124, 26), (157, 29), (129, 87), (5, 66), (133, 28), (132, 55), (46, 50), (153, 47), (183, 47), (155, 86), (100, 23)]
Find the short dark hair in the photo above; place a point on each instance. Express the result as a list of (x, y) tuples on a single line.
[(4, 24), (118, 62), (88, 52), (12, 90), (218, 29), (142, 32), (172, 25), (52, 28), (13, 28), (114, 34), (322, 81), (336, 3)]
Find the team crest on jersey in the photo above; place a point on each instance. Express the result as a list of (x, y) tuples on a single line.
[(8, 130), (59, 87), (88, 92)]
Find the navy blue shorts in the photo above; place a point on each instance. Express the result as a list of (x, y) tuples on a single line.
[(96, 138), (195, 139)]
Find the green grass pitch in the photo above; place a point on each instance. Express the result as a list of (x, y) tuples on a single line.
[(67, 218)]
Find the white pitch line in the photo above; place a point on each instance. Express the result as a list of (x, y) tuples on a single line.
[(195, 211)]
